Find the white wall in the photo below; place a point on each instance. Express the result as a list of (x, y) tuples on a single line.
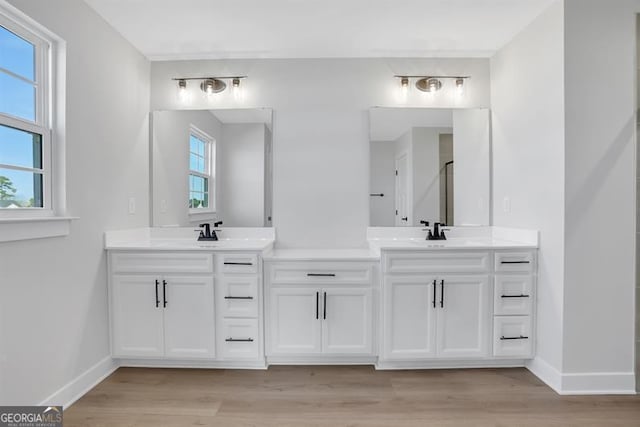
[(599, 189), (320, 129), (426, 174), (171, 130), (527, 105), (382, 180), (241, 175), (404, 148), (472, 167), (53, 298)]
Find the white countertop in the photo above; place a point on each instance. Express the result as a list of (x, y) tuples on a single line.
[(185, 239), (455, 243), (321, 255)]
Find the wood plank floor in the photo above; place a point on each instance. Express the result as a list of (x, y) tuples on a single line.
[(341, 396)]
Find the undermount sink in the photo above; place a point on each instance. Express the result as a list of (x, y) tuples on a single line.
[(447, 243), (183, 244)]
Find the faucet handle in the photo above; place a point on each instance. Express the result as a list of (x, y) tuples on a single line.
[(425, 223), (217, 224)]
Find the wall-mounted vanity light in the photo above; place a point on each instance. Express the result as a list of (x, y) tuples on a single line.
[(209, 85), (431, 84)]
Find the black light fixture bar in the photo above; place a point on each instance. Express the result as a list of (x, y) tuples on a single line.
[(209, 77)]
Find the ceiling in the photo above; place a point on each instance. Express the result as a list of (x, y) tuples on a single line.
[(214, 29), (388, 124), (244, 115)]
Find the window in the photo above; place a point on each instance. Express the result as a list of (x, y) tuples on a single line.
[(25, 125), (32, 116), (201, 172)]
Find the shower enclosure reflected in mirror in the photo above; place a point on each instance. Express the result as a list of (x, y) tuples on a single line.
[(211, 165), (429, 165)]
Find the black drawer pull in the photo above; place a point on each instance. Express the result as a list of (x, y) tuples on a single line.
[(515, 296), (238, 297), (515, 262), (157, 298), (238, 263), (239, 340), (321, 275), (503, 338)]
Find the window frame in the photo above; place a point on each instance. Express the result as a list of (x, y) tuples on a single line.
[(209, 167), (44, 76), (51, 220)]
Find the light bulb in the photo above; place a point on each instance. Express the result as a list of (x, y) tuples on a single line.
[(459, 85)]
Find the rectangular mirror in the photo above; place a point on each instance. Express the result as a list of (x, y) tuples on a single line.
[(211, 165), (429, 164)]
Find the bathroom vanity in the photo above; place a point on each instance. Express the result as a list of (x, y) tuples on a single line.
[(404, 302)]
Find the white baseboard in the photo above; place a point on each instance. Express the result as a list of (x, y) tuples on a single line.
[(546, 373), (599, 383), (583, 383), (79, 386), (449, 364)]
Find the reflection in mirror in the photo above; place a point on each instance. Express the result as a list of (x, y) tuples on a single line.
[(429, 164), (211, 165)]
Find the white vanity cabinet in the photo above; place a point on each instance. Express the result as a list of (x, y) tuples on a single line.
[(162, 305), (429, 314), (319, 308), (239, 306), (514, 304), (465, 305)]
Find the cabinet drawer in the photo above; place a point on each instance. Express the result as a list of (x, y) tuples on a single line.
[(237, 296), (436, 262), (513, 295), (240, 339), (165, 262), (297, 272), (512, 336), (514, 262), (237, 263)]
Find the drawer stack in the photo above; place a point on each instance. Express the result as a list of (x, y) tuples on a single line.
[(513, 300), (238, 299)]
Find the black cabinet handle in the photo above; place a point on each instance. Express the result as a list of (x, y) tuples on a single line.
[(324, 308), (164, 293), (515, 262), (503, 338), (321, 275), (157, 298), (442, 293), (515, 296), (239, 340), (238, 263), (317, 305), (238, 297), (434, 293)]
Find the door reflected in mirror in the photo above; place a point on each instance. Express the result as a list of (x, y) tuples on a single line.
[(429, 165), (209, 165)]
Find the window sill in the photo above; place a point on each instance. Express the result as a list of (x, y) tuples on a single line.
[(14, 229)]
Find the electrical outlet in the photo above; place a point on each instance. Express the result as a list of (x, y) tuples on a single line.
[(132, 205), (506, 204)]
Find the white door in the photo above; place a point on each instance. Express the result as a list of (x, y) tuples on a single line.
[(409, 318), (295, 320), (463, 321), (189, 327), (403, 210), (347, 320), (136, 316)]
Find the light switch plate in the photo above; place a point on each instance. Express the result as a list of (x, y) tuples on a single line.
[(132, 205)]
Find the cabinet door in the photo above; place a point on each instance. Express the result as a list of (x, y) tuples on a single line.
[(189, 327), (295, 320), (463, 321), (347, 321), (409, 318), (135, 317)]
